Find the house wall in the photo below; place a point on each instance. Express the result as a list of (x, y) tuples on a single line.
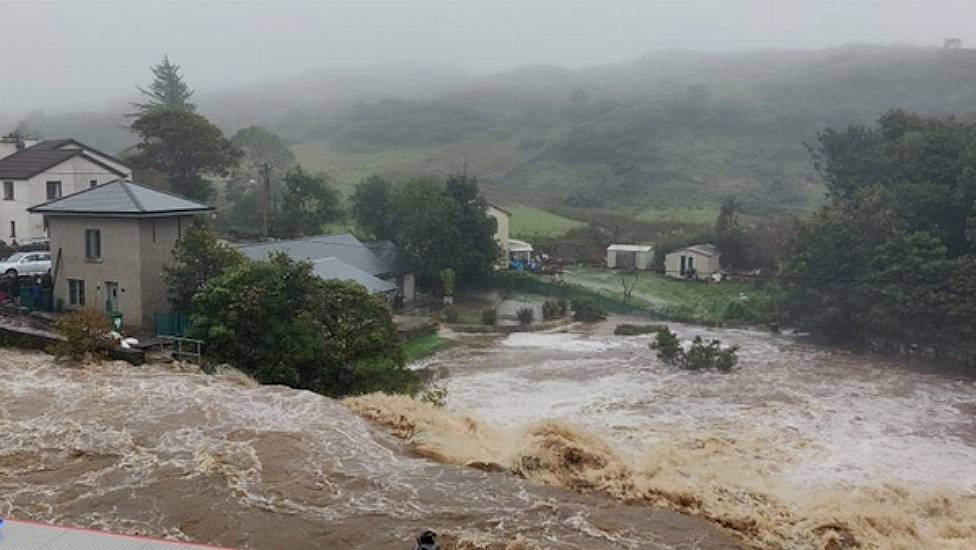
[(501, 228), (705, 266), (74, 174), (130, 257), (101, 158), (643, 260)]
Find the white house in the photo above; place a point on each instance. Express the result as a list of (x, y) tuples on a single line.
[(34, 174), (502, 219), (699, 261), (630, 256)]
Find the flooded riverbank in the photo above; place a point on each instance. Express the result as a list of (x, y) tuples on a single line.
[(800, 447), (220, 460)]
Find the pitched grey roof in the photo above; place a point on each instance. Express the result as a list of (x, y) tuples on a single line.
[(120, 198), (53, 144), (390, 255), (336, 269), (344, 246), (29, 162)]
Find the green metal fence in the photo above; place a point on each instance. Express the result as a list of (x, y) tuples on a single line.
[(172, 324)]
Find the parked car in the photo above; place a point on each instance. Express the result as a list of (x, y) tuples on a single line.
[(26, 263)]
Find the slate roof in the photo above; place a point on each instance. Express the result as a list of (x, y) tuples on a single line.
[(33, 160), (119, 198), (344, 247), (389, 254), (336, 269)]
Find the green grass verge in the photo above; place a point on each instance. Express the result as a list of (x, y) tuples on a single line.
[(424, 346), (528, 223), (695, 302)]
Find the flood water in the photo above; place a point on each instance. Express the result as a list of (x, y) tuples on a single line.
[(220, 460), (804, 446)]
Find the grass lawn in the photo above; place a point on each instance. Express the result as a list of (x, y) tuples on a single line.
[(684, 215), (528, 222), (683, 300), (424, 346)]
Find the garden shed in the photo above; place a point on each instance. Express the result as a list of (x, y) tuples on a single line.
[(630, 256)]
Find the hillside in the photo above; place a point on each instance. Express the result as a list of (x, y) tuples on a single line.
[(651, 138)]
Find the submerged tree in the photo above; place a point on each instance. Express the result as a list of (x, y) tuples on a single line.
[(167, 90)]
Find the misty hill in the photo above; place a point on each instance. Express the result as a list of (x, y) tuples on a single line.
[(670, 130)]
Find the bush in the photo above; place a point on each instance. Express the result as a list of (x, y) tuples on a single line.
[(637, 330), (563, 307), (526, 315), (86, 331), (698, 357), (489, 316), (281, 324), (551, 310), (587, 311), (450, 315)]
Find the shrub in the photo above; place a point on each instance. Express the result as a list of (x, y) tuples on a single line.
[(637, 330), (86, 332), (450, 315), (550, 310), (587, 311), (489, 316), (281, 324), (526, 315), (436, 396), (699, 356), (563, 307)]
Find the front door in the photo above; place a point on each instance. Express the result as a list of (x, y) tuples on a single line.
[(111, 296)]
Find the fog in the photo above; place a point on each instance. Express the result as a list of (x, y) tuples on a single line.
[(70, 55)]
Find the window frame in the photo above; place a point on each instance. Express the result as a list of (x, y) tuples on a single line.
[(76, 292), (93, 244), (9, 185), (60, 189)]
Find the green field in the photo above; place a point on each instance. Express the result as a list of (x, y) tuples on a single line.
[(683, 300), (528, 222), (683, 215)]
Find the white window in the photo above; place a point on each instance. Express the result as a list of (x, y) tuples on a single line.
[(93, 244), (76, 292), (8, 190), (53, 190)]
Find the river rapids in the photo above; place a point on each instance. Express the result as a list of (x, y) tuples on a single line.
[(574, 439)]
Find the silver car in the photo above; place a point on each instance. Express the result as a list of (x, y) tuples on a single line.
[(26, 263)]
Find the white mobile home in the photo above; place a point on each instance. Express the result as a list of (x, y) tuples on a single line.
[(699, 261), (629, 256)]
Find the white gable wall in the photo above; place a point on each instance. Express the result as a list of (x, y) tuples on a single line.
[(75, 174), (101, 158)]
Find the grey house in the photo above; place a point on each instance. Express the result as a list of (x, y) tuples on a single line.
[(377, 265), (109, 244)]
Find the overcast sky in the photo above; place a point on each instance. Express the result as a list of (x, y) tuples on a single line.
[(58, 55)]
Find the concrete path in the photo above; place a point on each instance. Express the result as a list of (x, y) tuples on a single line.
[(26, 535)]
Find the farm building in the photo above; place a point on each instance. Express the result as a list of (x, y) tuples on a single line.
[(630, 256), (698, 261)]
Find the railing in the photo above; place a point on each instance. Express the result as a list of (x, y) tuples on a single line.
[(181, 348)]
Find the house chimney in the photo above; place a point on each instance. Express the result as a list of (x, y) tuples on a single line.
[(12, 143)]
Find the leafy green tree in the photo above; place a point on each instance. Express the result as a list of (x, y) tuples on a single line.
[(884, 263), (374, 208), (265, 155), (184, 146), (167, 90), (280, 323), (730, 236), (310, 202), (198, 257)]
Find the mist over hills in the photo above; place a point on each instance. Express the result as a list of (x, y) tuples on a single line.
[(671, 129)]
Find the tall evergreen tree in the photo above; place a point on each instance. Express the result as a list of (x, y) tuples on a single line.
[(167, 90)]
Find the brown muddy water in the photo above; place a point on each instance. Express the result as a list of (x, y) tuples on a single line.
[(799, 447), (220, 460)]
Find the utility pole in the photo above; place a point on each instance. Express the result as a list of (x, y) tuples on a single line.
[(267, 200)]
